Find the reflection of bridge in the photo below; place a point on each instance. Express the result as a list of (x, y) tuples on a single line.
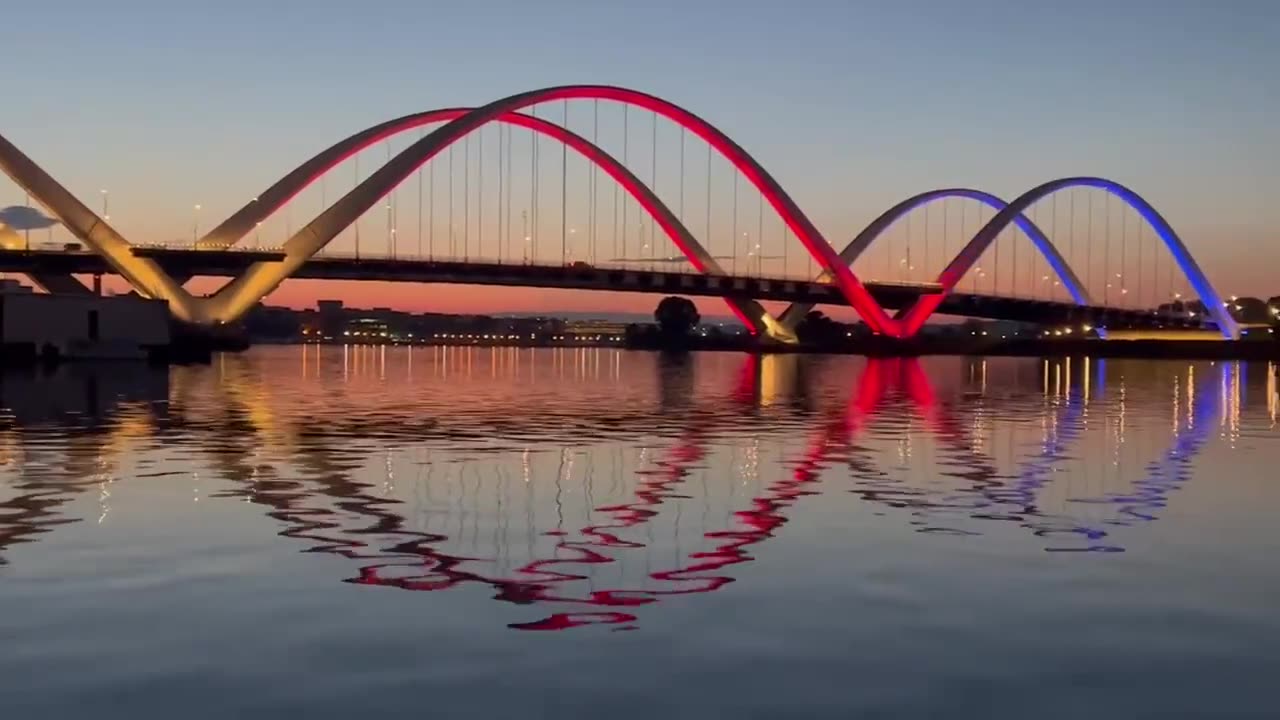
[(391, 552), (456, 126)]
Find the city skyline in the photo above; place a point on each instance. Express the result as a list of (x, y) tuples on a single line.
[(1179, 117)]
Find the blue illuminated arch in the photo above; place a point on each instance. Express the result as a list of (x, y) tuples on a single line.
[(1216, 309), (796, 311)]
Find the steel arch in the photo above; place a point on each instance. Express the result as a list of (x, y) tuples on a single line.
[(915, 317), (329, 223), (794, 313)]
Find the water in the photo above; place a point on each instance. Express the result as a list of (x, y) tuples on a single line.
[(370, 532)]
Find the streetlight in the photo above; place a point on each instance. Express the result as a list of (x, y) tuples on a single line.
[(195, 223), (105, 195)]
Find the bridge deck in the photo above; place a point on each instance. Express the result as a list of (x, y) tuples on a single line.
[(230, 263)]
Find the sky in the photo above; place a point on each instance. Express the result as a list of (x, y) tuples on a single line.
[(852, 106)]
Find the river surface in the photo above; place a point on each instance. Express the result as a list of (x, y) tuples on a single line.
[(462, 532)]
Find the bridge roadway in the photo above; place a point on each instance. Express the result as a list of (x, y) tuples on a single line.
[(188, 263)]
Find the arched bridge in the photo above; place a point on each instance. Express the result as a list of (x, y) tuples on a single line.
[(896, 308)]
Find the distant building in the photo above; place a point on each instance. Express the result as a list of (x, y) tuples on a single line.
[(594, 331), (9, 285), (333, 319), (83, 326)]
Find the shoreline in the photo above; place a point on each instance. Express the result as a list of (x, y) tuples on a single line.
[(879, 347)]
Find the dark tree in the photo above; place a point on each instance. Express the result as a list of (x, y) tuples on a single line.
[(1250, 310), (676, 316), (816, 327)]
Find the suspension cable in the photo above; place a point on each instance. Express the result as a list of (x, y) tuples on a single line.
[(1089, 241), (420, 134), (925, 263), (564, 192), (626, 156), (466, 198), (653, 181), (452, 250), (1106, 234), (710, 240), (502, 146), (595, 176), (735, 222), (760, 236), (533, 191), (356, 166), (902, 263), (431, 211)]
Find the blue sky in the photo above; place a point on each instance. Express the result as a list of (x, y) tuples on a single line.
[(852, 105)]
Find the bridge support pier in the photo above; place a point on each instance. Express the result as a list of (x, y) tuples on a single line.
[(761, 323)]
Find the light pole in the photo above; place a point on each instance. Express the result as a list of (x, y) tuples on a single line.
[(195, 223), (105, 214)]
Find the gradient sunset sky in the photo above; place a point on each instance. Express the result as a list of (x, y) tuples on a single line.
[(851, 105)]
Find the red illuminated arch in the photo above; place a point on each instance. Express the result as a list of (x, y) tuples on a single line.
[(329, 223), (238, 225)]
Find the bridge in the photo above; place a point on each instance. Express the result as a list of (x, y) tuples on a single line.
[(52, 269), (651, 227)]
